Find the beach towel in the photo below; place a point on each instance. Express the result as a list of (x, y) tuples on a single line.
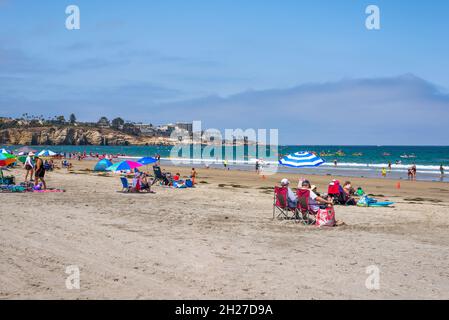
[(326, 217), (12, 188), (179, 185), (366, 201), (49, 191)]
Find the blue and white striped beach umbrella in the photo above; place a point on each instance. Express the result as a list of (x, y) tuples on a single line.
[(47, 153), (301, 159)]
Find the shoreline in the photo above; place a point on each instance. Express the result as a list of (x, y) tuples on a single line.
[(345, 167), (339, 171)]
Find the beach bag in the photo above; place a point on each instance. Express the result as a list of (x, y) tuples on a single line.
[(363, 202), (326, 217), (189, 183)]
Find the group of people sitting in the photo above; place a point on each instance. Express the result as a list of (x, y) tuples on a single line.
[(336, 194), (314, 199), (143, 181)]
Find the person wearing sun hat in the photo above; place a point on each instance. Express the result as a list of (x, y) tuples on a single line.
[(292, 199), (29, 166), (314, 199)]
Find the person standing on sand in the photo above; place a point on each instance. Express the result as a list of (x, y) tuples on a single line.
[(384, 172), (29, 166), (414, 172), (39, 174), (257, 167), (442, 170), (409, 173), (389, 165), (225, 163), (193, 175)]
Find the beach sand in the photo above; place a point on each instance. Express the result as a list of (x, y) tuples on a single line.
[(219, 241)]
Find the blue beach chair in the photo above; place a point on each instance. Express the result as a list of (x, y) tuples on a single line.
[(125, 184)]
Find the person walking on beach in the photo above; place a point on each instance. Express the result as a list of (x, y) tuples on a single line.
[(409, 173), (335, 162), (29, 166), (442, 170), (257, 167), (384, 172), (225, 164), (414, 171), (389, 165), (39, 173)]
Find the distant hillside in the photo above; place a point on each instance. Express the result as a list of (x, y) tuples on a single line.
[(69, 135)]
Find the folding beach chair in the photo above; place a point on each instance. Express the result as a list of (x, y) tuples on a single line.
[(280, 204), (335, 190), (158, 176), (306, 214), (125, 184)]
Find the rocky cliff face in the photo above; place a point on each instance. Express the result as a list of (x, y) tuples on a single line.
[(74, 136)]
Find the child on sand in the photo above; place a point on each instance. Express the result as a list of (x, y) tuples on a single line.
[(384, 172), (193, 175)]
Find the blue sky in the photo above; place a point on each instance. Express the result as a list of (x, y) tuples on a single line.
[(309, 68)]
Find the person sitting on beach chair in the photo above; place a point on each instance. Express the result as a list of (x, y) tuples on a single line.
[(162, 177), (309, 204), (284, 201), (136, 181), (338, 195), (292, 200), (314, 202), (145, 185)]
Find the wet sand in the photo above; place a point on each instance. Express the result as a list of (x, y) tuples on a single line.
[(219, 240)]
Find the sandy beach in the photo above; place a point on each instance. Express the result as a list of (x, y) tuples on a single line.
[(219, 241)]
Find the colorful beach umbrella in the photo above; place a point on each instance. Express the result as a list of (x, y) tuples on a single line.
[(103, 165), (6, 159), (124, 166), (147, 160), (47, 153), (301, 159)]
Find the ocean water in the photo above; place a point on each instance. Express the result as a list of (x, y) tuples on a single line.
[(366, 161)]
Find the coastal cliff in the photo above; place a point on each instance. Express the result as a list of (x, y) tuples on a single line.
[(75, 136)]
